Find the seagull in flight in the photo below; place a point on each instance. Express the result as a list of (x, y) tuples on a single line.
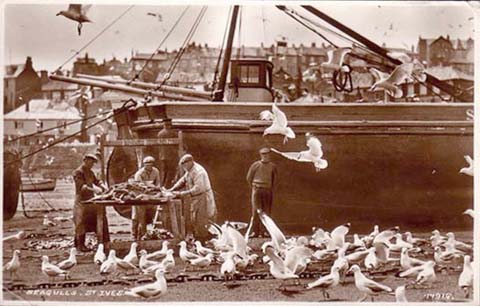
[(78, 13), (335, 58), (159, 16), (279, 123), (313, 155), (468, 170), (469, 212)]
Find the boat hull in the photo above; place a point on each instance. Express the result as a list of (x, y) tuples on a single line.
[(399, 165)]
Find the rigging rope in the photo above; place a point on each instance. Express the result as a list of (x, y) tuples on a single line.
[(95, 38), (239, 33), (182, 50), (137, 75)]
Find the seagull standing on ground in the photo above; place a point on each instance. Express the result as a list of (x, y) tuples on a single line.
[(132, 257), (367, 286), (313, 155), (78, 13), (152, 290), (52, 270), (69, 263), (100, 256), (465, 280), (328, 281), (13, 265), (109, 266), (400, 295)]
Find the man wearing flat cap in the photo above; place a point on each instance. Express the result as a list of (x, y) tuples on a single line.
[(84, 215), (199, 194), (150, 175), (262, 177)]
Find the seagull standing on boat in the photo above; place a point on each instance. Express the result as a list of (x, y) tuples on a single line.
[(279, 123), (78, 13), (468, 170), (313, 155)]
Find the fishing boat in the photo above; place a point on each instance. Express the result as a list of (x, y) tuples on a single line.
[(36, 185), (388, 163)]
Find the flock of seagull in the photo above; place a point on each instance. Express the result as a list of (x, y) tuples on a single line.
[(286, 259)]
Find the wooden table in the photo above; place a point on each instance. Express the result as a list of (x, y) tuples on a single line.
[(177, 221)]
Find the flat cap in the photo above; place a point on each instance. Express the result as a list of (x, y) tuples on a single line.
[(148, 159), (264, 151), (185, 158), (91, 156)]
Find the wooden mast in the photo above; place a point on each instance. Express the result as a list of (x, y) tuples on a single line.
[(218, 96)]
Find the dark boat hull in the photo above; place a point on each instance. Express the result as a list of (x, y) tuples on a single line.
[(388, 165)]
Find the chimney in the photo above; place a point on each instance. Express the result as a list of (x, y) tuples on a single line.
[(28, 63), (314, 45), (43, 77)]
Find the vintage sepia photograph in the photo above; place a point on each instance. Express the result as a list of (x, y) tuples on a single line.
[(256, 152)]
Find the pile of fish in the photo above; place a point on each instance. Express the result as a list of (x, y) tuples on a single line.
[(157, 234), (129, 191)]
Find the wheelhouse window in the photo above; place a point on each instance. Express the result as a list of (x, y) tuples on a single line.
[(249, 74)]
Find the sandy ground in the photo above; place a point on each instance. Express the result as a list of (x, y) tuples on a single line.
[(248, 290)]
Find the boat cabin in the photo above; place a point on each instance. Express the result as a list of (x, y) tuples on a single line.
[(250, 80)]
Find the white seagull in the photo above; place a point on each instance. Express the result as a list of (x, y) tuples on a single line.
[(78, 13), (278, 268), (13, 265), (152, 290), (160, 254), (400, 295), (406, 262), (279, 123), (203, 250), (468, 170), (109, 266), (469, 212), (100, 256), (338, 234), (145, 263), (367, 286), (52, 270), (328, 281), (336, 58), (278, 238), (427, 275), (166, 264), (465, 280), (69, 263), (313, 155), (132, 257)]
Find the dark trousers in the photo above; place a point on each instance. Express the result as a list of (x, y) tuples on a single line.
[(85, 220), (262, 198)]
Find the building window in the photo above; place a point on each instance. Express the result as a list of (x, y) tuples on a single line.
[(18, 125)]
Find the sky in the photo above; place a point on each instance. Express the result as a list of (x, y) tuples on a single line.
[(32, 29)]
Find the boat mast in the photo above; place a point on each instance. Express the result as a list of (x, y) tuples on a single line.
[(218, 95), (451, 90)]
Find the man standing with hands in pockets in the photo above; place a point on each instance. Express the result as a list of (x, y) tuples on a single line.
[(262, 177)]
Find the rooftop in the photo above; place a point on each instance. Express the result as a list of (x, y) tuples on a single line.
[(44, 109)]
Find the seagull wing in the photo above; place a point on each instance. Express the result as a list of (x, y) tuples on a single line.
[(403, 57), (75, 8), (298, 156), (249, 229), (277, 261), (468, 159), (266, 115), (379, 75), (86, 8), (278, 237), (376, 287), (279, 117), (239, 243), (323, 282), (399, 75), (294, 255), (315, 146)]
